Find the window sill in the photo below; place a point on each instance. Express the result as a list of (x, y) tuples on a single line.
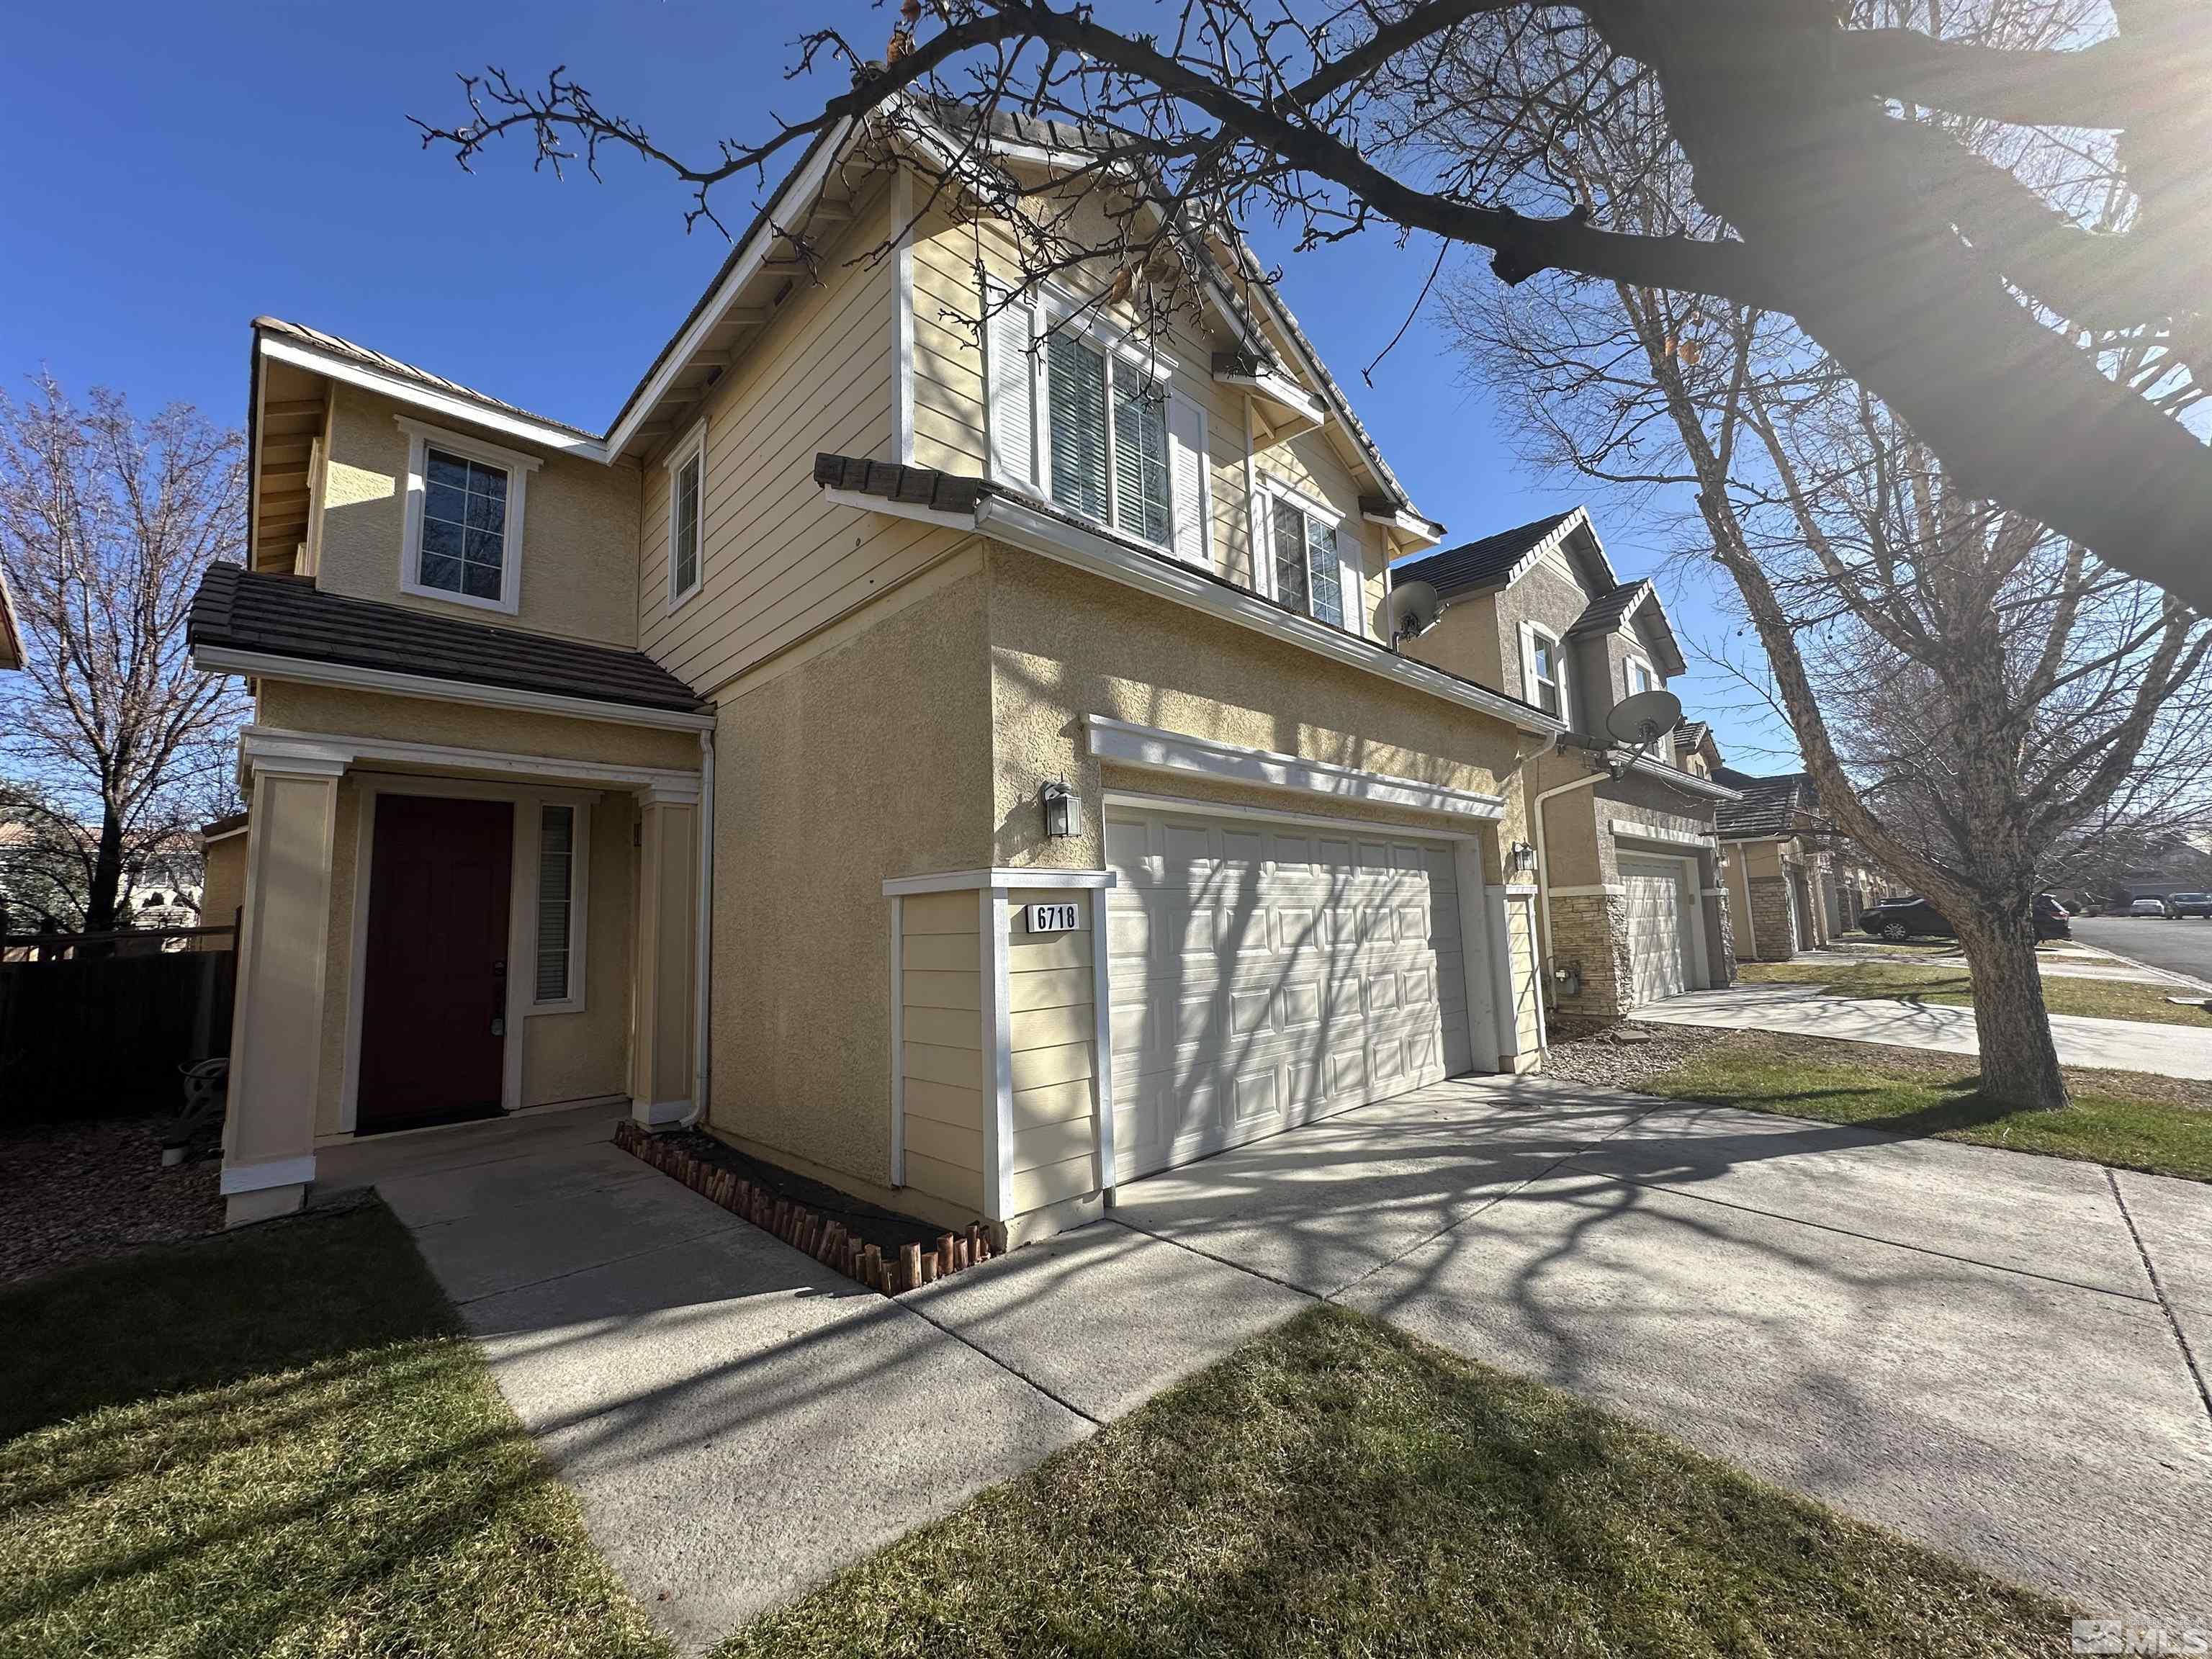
[(573, 1006), (678, 601), (445, 596)]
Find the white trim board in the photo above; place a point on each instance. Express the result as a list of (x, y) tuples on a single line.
[(446, 405), (1155, 750), (323, 753), (1600, 889), (998, 1039), (961, 881), (271, 1172), (1219, 809), (392, 683), (1637, 830)]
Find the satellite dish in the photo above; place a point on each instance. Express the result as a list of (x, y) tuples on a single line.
[(1643, 720), (1414, 608)]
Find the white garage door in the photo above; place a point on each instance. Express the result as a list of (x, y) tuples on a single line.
[(1657, 952), (1265, 975)]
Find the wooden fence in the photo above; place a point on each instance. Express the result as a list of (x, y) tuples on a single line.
[(100, 1025)]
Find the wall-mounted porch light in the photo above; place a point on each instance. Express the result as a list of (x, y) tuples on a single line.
[(1063, 809), (1521, 858)]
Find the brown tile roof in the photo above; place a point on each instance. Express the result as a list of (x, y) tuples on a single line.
[(1604, 613), (1479, 564), (914, 486), (240, 610)]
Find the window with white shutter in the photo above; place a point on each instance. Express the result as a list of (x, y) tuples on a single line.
[(1192, 488), (1010, 376)]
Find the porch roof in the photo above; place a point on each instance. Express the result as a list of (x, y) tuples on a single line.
[(283, 615)]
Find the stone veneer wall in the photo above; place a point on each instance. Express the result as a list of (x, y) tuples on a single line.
[(1724, 969), (1770, 917), (1591, 929)]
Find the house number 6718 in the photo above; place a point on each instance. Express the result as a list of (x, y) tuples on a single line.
[(1051, 918)]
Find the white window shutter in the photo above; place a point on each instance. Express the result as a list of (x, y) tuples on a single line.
[(1191, 483), (1527, 663), (1010, 375)]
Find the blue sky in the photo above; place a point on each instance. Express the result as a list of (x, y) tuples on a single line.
[(257, 158)]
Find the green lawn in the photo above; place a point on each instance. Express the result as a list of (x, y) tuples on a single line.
[(2099, 999), (276, 1443), (2127, 1118), (1336, 1488)]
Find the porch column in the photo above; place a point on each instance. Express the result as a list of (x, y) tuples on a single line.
[(661, 1072), (276, 1032)]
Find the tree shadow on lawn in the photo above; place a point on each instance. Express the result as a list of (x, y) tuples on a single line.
[(277, 1440)]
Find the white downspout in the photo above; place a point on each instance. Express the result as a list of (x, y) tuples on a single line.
[(703, 1002)]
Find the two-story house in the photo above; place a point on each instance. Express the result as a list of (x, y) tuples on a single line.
[(935, 738), (1632, 907), (1790, 888)]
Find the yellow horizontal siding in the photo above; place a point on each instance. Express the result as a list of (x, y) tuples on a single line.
[(1037, 953), (951, 953), (1052, 1143), (946, 1181), (945, 990), (1033, 1068), (946, 1143), (1049, 1028), (934, 1064), (1051, 988), (957, 1104), (1052, 1102), (938, 913), (1032, 1189), (944, 1028)]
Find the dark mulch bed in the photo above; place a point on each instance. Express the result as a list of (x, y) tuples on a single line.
[(887, 1229), (77, 1191)]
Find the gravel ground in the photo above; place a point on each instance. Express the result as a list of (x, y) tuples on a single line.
[(73, 1192), (1621, 1056)]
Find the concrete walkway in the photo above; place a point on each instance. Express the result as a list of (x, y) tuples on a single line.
[(1965, 1344), (2126, 1045)]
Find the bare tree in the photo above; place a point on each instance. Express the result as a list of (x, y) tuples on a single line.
[(1973, 692), (2035, 312), (107, 524)]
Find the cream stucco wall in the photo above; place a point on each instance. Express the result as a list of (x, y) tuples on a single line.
[(579, 528), (223, 886), (1065, 644), (836, 767)]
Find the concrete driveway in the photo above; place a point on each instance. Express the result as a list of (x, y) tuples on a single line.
[(1963, 1344), (2126, 1045)]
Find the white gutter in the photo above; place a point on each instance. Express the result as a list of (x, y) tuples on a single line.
[(702, 973)]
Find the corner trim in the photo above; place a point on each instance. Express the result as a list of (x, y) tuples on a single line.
[(962, 881), (273, 1172), (394, 683), (658, 1114), (1156, 749)]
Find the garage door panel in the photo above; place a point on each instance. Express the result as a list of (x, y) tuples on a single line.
[(1262, 976), (1657, 943)]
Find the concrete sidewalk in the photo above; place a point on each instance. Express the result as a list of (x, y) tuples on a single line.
[(2124, 1045), (1965, 1344)]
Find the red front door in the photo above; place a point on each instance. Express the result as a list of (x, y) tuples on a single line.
[(433, 994)]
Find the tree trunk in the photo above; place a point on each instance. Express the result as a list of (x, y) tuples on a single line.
[(2019, 1062), (106, 875)]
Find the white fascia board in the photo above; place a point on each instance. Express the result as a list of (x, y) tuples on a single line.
[(1157, 750), (219, 660), (1406, 526), (440, 404), (861, 501), (1025, 527), (1688, 782), (1282, 391), (803, 187), (329, 753), (965, 881)]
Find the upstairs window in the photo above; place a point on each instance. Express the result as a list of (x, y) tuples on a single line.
[(1545, 664), (687, 483), (463, 541), (1308, 577), (1640, 677), (1087, 421)]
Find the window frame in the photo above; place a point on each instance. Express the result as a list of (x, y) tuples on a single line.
[(1053, 310), (579, 888), (422, 438), (1350, 576), (693, 448), (1628, 667), (1537, 631)]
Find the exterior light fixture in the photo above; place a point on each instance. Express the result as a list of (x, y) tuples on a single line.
[(1063, 809), (1521, 858)]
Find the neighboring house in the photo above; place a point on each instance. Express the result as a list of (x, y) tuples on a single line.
[(222, 896), (1780, 866), (963, 773), (1632, 908)]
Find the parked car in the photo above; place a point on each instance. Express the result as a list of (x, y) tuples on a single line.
[(2149, 907), (2189, 904), (1913, 917)]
